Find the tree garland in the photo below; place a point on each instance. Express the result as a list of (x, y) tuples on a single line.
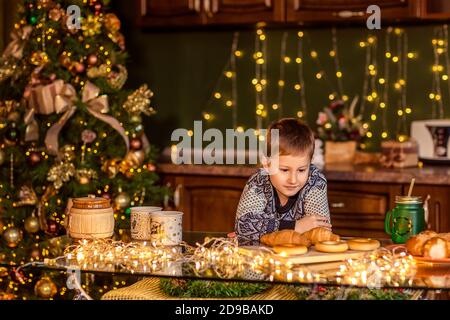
[(210, 289)]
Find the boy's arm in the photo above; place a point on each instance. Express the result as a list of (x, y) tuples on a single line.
[(251, 220), (316, 203)]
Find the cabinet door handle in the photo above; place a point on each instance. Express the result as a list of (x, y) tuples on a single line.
[(207, 6), (348, 14), (337, 205), (215, 6), (177, 195), (426, 209), (143, 7), (197, 5), (437, 214)]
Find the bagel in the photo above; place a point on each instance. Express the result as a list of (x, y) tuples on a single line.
[(290, 250), (363, 244), (331, 246)]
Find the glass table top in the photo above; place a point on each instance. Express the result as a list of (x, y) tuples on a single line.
[(219, 258)]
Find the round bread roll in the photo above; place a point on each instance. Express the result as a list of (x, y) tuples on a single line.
[(290, 250), (363, 244), (331, 246), (436, 248), (414, 245)]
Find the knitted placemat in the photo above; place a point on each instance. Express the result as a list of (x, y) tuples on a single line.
[(148, 289)]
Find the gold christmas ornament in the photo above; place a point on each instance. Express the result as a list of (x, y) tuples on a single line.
[(111, 167), (91, 25), (45, 288), (10, 68), (39, 58), (60, 173), (133, 159), (100, 71), (139, 102), (12, 236), (122, 200), (35, 253), (111, 22), (44, 3), (118, 78), (55, 14), (84, 176), (68, 153), (27, 197), (31, 224)]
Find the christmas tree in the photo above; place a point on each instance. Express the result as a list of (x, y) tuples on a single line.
[(68, 128)]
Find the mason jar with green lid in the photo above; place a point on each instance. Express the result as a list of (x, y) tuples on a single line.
[(406, 219)]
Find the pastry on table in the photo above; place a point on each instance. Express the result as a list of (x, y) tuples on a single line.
[(414, 245), (291, 237), (285, 237), (320, 234), (429, 244), (436, 248)]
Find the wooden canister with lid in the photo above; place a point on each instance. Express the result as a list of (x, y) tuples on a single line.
[(90, 218)]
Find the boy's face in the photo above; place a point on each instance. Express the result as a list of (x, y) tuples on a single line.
[(292, 174)]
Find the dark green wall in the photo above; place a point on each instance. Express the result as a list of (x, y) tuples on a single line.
[(182, 67)]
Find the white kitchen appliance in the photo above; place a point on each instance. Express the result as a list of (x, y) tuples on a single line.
[(433, 139)]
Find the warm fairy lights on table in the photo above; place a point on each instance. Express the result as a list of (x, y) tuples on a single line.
[(378, 268), (223, 258)]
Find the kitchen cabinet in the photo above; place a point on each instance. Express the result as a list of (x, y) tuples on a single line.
[(189, 13), (244, 11), (208, 203), (435, 9), (163, 13), (304, 11), (185, 13), (358, 209)]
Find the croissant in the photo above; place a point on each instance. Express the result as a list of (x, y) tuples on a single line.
[(414, 245), (320, 234), (285, 237)]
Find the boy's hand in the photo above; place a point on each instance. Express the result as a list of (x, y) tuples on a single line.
[(310, 222)]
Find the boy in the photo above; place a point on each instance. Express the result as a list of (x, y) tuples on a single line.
[(293, 197)]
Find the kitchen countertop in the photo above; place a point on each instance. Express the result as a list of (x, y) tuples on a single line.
[(432, 175)]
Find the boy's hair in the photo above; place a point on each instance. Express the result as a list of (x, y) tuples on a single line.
[(294, 137)]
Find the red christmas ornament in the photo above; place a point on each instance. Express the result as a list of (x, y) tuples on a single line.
[(92, 59), (52, 227), (34, 158), (79, 67), (136, 143)]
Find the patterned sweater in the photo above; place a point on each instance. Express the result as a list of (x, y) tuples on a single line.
[(259, 211)]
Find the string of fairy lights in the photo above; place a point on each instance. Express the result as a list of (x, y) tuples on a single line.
[(223, 258), (440, 73), (384, 86)]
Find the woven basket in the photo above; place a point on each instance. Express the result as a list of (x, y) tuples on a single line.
[(148, 289), (91, 218)]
